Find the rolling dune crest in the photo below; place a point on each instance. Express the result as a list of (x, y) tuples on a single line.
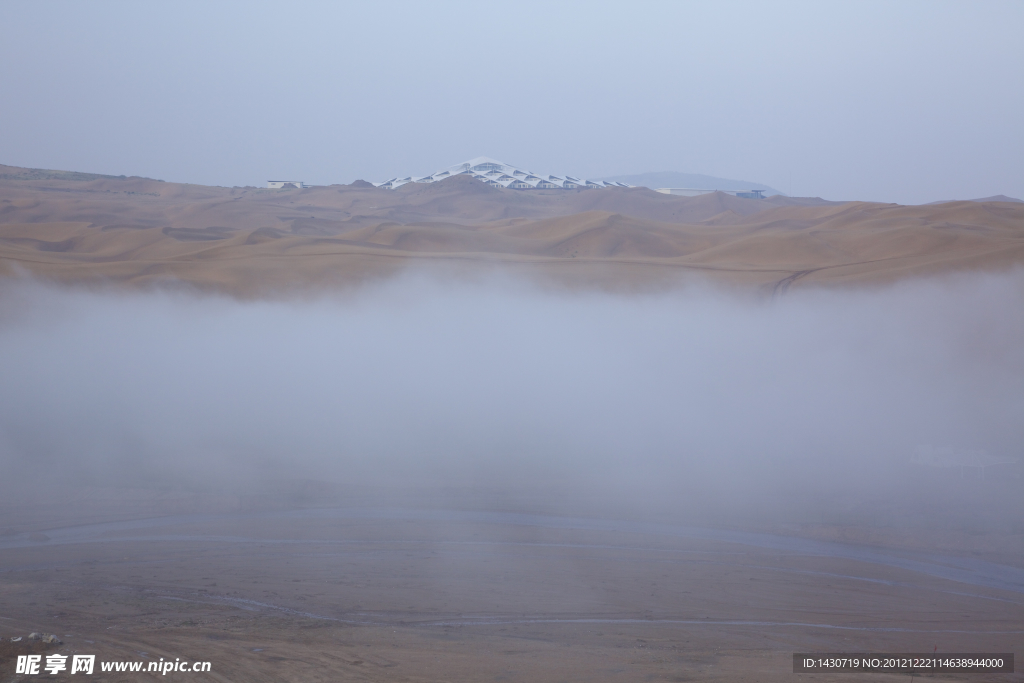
[(250, 241)]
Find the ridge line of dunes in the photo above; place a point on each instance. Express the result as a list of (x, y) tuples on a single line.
[(250, 241)]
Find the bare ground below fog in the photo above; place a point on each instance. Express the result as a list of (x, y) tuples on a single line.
[(424, 594)]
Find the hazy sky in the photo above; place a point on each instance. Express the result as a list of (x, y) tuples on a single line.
[(906, 102)]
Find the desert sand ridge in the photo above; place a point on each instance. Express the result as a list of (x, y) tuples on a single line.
[(85, 227)]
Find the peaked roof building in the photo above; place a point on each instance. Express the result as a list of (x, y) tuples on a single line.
[(500, 174)]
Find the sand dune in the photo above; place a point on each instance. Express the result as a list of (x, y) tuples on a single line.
[(84, 227)]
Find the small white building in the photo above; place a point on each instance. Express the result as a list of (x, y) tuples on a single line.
[(285, 184)]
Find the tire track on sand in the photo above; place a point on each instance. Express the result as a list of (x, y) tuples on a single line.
[(782, 286)]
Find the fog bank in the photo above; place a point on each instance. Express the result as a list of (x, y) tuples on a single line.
[(694, 396)]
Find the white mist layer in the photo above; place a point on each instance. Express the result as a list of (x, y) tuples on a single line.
[(419, 383)]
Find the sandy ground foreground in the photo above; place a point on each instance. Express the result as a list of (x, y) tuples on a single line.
[(375, 594)]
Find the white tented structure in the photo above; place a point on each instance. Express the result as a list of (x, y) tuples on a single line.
[(286, 184), (500, 174)]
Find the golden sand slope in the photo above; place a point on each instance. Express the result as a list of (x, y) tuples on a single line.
[(82, 228)]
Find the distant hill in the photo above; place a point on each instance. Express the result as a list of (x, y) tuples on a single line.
[(254, 241), (993, 198), (18, 173), (697, 181)]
